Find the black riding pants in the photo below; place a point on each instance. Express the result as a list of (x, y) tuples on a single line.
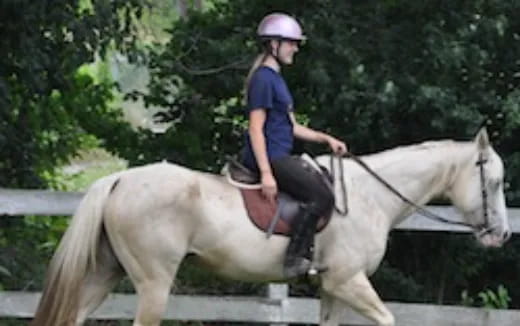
[(298, 179)]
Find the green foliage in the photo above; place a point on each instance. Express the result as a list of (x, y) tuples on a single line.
[(488, 298), (84, 169), (43, 100), (397, 285), (46, 105), (26, 243), (435, 70), (498, 300)]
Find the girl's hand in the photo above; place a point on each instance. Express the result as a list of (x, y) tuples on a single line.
[(337, 146), (269, 187)]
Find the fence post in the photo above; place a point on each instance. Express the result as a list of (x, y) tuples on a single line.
[(278, 291)]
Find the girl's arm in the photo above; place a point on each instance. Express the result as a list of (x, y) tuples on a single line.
[(309, 134)]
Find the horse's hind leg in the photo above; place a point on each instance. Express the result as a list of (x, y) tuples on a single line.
[(150, 254), (100, 282), (358, 293), (153, 282), (153, 297)]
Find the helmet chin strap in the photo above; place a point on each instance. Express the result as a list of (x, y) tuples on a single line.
[(276, 55)]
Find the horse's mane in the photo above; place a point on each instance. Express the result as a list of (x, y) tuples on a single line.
[(391, 155)]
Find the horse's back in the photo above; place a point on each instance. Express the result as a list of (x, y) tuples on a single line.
[(142, 190)]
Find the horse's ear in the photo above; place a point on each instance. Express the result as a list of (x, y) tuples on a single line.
[(482, 139)]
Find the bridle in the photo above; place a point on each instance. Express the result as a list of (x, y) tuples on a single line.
[(480, 229), (485, 227)]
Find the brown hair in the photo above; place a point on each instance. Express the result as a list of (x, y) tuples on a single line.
[(256, 64)]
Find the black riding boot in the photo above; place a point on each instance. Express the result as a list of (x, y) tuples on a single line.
[(298, 259)]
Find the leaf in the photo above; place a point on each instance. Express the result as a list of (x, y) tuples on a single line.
[(5, 271)]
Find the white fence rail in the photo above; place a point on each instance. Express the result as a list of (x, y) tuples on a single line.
[(269, 310), (46, 202), (278, 308)]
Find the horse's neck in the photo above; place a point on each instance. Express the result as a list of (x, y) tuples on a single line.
[(419, 172)]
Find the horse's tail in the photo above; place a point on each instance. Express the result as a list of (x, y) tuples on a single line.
[(74, 258)]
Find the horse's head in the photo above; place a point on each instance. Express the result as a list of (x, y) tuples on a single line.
[(478, 191)]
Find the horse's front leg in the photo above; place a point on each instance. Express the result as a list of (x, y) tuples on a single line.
[(358, 293)]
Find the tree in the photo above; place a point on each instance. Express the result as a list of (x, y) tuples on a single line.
[(47, 105), (43, 99)]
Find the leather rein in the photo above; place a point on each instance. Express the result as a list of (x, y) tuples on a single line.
[(481, 229)]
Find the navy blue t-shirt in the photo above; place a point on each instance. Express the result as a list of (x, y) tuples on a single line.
[(268, 90)]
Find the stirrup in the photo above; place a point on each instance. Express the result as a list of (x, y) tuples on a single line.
[(304, 267), (315, 270), (298, 267)]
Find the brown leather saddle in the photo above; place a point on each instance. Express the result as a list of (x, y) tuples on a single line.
[(272, 218)]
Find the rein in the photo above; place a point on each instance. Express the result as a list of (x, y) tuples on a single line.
[(482, 229), (343, 212)]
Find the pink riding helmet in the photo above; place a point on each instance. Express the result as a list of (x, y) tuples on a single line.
[(278, 25)]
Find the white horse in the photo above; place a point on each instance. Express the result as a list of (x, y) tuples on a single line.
[(146, 220)]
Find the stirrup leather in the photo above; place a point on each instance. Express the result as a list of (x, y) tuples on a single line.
[(240, 176)]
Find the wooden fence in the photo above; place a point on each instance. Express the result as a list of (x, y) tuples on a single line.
[(277, 308), (274, 310), (46, 202)]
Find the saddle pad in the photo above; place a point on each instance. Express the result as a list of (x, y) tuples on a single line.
[(261, 212)]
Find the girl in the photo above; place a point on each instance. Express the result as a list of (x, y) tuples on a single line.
[(269, 140)]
